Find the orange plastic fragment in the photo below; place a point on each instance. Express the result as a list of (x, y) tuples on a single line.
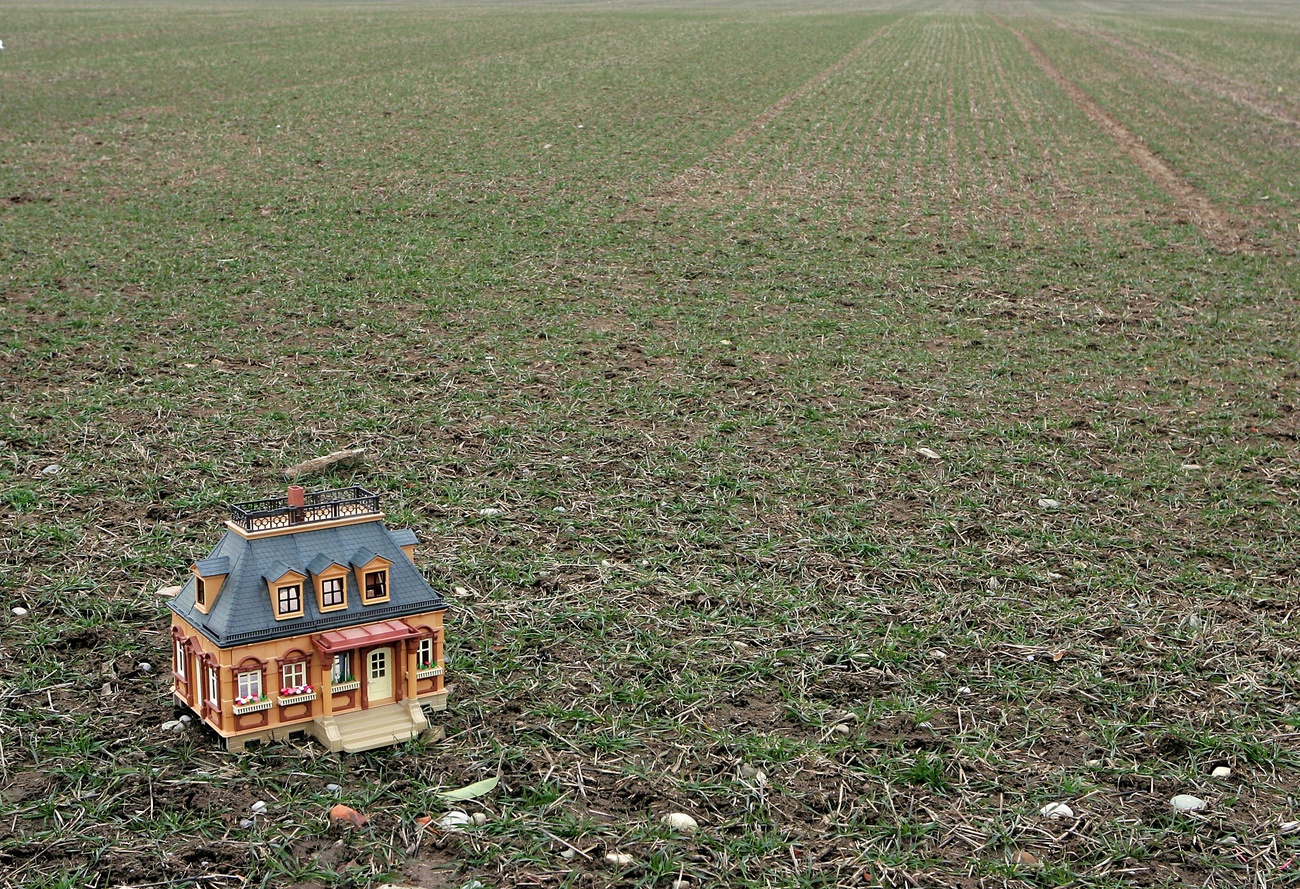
[(341, 812)]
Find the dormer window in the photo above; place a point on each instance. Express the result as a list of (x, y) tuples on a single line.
[(331, 582), (331, 593), (372, 576), (209, 575), (289, 602), (285, 588)]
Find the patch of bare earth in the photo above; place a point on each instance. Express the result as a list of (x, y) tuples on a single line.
[(1219, 228)]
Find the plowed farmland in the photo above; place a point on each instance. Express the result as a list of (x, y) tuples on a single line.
[(870, 429)]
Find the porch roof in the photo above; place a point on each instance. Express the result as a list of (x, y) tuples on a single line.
[(368, 634)]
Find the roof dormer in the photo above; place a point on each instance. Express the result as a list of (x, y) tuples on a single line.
[(330, 580), (209, 576), (285, 586), (372, 576)]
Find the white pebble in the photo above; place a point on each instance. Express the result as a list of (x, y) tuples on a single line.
[(172, 725), (334, 789), (1222, 772), (1191, 467), (52, 469), (1185, 802), (568, 854), (20, 612), (258, 807), (186, 719), (454, 820), (559, 509), (489, 511), (680, 822), (842, 729), (928, 454), (619, 859), (964, 690), (681, 884), (1049, 503), (479, 819), (1056, 810), (246, 823), (144, 667)]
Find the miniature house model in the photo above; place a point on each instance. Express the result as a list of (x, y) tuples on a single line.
[(310, 617)]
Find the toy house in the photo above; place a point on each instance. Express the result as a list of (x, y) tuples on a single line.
[(310, 617)]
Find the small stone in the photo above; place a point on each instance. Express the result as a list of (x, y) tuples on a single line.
[(680, 884), (619, 859), (334, 789), (1049, 503), (171, 724), (186, 719), (928, 454), (1222, 772), (1056, 810), (1191, 467), (454, 820), (178, 727), (937, 654), (680, 822), (993, 584), (742, 646), (246, 823), (489, 511), (1185, 802), (258, 807), (842, 729), (52, 469), (568, 854), (20, 611), (964, 690), (1227, 841), (1021, 858), (559, 509), (433, 734), (144, 667), (479, 819)]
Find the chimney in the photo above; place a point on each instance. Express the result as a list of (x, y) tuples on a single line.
[(297, 500)]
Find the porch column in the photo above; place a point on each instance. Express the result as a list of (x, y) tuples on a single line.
[(326, 688), (411, 652)]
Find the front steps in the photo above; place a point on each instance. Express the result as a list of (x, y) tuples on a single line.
[(367, 729)]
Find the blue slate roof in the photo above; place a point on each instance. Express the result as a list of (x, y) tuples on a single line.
[(242, 613)]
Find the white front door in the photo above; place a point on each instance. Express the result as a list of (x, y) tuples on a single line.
[(379, 675)]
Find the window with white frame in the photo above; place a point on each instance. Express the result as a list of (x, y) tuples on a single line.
[(213, 690), (331, 592), (180, 658), (250, 685), (293, 676), (425, 657), (342, 669)]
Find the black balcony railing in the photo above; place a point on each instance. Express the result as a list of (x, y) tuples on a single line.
[(318, 506)]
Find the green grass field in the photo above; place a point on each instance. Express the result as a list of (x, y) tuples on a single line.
[(895, 400)]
